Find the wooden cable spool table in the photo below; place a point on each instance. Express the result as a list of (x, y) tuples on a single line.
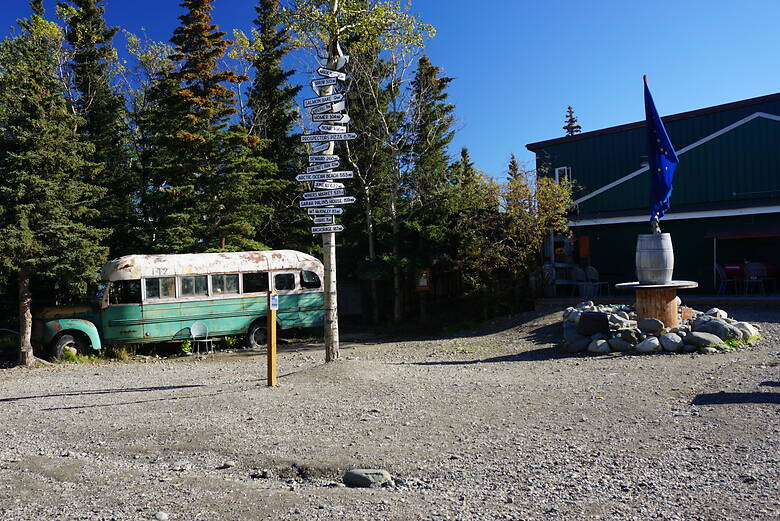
[(658, 300)]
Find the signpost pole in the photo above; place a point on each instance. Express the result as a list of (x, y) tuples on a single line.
[(273, 305)]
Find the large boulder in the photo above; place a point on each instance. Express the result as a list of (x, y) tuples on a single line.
[(366, 477), (650, 345), (702, 339), (748, 330), (632, 335), (618, 344), (599, 346), (719, 327), (651, 326), (571, 335), (671, 342)]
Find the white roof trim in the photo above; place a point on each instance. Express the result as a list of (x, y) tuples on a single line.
[(678, 216), (680, 152)]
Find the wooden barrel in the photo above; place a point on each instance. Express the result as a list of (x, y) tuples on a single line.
[(654, 258)]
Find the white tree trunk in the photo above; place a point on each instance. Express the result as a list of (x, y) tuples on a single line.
[(25, 320)]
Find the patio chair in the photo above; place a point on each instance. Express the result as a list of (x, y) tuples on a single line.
[(581, 284), (593, 277), (724, 282), (199, 332), (755, 276)]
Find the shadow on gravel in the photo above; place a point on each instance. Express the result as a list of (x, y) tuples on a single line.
[(102, 391), (769, 384), (535, 355), (732, 398)]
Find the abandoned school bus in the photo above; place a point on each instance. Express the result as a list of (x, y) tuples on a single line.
[(156, 298)]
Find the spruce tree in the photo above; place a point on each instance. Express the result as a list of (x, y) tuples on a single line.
[(193, 205), (104, 121), (571, 127), (44, 177), (514, 167)]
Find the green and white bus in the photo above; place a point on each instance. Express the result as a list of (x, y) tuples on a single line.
[(156, 298)]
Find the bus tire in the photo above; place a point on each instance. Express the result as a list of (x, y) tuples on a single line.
[(75, 341), (256, 336)]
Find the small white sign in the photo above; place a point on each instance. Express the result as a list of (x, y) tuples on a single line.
[(313, 203), (308, 138), (334, 129), (339, 174), (334, 228), (319, 167), (325, 185), (316, 85), (321, 108), (323, 158), (325, 211), (311, 102), (323, 193), (319, 147), (330, 73), (335, 118), (328, 219), (274, 301)]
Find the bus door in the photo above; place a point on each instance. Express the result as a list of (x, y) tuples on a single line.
[(122, 320)]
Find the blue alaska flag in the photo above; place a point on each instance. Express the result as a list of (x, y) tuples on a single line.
[(662, 159)]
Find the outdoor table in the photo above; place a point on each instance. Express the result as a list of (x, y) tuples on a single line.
[(658, 300)]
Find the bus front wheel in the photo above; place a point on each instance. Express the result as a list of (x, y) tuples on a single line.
[(256, 337), (72, 341)]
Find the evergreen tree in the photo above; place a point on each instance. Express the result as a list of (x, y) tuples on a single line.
[(44, 178), (571, 127), (104, 121), (273, 114), (514, 167), (205, 188)]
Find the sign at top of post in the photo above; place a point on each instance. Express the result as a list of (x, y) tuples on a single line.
[(330, 73), (311, 102)]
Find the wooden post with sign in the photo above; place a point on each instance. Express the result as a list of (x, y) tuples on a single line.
[(273, 306)]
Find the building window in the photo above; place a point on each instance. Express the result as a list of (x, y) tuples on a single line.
[(255, 282), (194, 286), (162, 287), (562, 172), (224, 284), (310, 280)]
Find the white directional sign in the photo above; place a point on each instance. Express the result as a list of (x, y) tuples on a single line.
[(308, 138), (325, 211), (319, 147), (319, 109), (328, 219), (327, 229), (340, 174), (325, 185), (323, 158), (323, 193), (319, 167), (311, 102), (323, 82), (334, 129), (310, 203), (330, 73), (336, 118)]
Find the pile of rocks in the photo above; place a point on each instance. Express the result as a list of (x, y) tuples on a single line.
[(614, 328)]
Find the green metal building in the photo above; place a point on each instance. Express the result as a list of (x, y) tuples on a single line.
[(725, 205)]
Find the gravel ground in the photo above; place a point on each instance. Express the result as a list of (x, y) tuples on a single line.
[(494, 424)]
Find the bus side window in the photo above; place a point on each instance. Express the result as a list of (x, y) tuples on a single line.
[(255, 282), (221, 284), (284, 281), (310, 280), (196, 285), (162, 287), (125, 292)]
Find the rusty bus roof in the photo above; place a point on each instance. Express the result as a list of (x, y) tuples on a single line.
[(132, 267)]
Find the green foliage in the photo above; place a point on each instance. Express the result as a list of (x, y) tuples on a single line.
[(186, 346), (738, 342), (231, 342), (68, 357)]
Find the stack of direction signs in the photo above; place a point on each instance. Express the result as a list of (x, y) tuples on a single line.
[(328, 113)]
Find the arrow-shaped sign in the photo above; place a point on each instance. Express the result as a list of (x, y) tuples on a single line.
[(310, 203), (311, 102), (322, 166), (319, 147), (330, 73), (322, 82), (324, 220), (323, 193), (341, 174), (327, 229), (325, 211), (336, 118), (325, 185), (333, 129), (321, 108), (308, 138), (323, 159)]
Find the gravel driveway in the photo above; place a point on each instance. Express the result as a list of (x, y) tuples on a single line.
[(495, 424)]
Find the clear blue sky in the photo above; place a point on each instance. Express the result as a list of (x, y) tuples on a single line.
[(519, 63)]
